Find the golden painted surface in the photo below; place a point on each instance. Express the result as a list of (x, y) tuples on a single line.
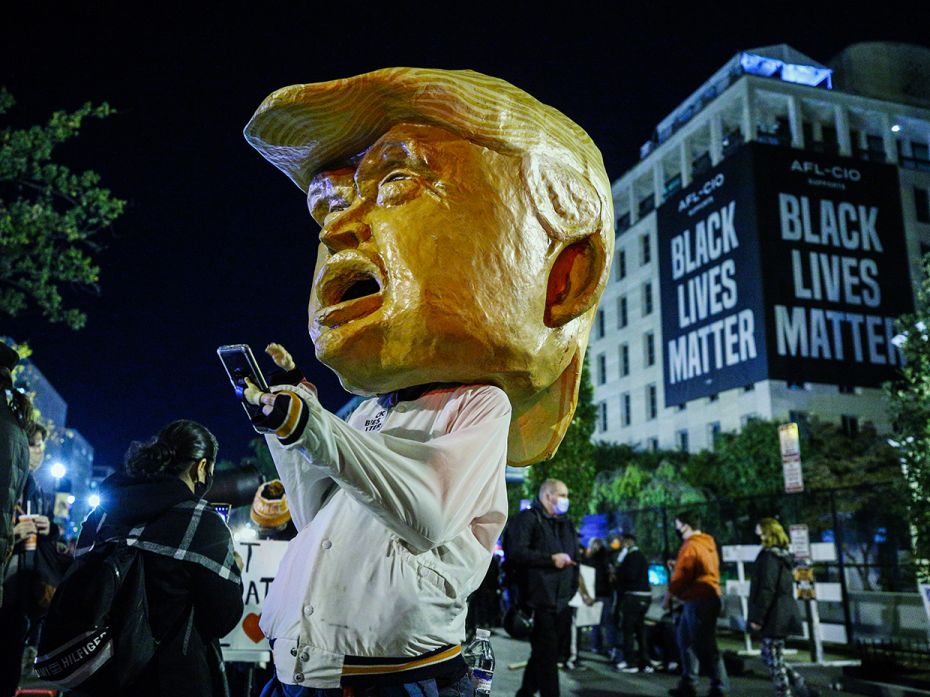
[(466, 235)]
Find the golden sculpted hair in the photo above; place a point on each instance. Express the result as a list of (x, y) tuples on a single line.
[(773, 534)]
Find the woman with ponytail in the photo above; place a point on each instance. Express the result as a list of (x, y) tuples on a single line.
[(15, 425), (192, 575)]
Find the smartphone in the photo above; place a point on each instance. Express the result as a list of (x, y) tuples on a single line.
[(223, 509), (240, 364)]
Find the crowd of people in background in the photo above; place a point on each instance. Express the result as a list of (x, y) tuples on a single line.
[(541, 575), (195, 593)]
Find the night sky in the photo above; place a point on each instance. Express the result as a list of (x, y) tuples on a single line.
[(216, 246)]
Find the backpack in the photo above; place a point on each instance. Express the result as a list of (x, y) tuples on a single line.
[(97, 637)]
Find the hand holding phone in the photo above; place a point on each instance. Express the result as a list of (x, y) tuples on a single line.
[(240, 365)]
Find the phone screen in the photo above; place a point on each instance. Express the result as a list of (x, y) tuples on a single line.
[(223, 509)]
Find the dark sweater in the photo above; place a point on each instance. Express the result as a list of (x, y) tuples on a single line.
[(530, 540), (633, 574)]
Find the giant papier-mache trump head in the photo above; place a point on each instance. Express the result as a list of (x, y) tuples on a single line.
[(466, 236)]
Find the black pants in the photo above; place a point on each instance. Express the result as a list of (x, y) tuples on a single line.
[(634, 608), (14, 626), (551, 630)]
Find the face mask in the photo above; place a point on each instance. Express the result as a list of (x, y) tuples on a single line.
[(561, 505), (201, 488)]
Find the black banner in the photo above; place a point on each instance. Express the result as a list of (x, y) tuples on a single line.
[(782, 264)]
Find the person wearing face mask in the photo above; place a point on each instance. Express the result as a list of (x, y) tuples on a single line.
[(542, 544), (696, 582), (192, 575)]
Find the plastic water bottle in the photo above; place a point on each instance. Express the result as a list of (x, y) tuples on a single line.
[(480, 659)]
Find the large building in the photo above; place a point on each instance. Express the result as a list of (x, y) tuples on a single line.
[(766, 241)]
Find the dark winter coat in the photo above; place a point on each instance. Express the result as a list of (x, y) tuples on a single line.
[(530, 540), (771, 594), (14, 466), (633, 574), (191, 605), (599, 562)]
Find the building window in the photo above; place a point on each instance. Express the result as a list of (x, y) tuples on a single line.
[(750, 387), (647, 298), (647, 205), (921, 205), (846, 389), (652, 444), (713, 397), (601, 369), (599, 325), (652, 403), (919, 159), (602, 416), (622, 319), (623, 222), (624, 360), (620, 265), (681, 439), (850, 425), (681, 407), (649, 349), (701, 164), (748, 418), (713, 431), (645, 250), (672, 185), (626, 412)]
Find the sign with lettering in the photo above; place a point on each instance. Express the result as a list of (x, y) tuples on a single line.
[(781, 264), (790, 444), (832, 236), (712, 313), (800, 541), (261, 559)]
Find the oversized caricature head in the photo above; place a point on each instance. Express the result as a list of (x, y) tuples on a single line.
[(466, 234)]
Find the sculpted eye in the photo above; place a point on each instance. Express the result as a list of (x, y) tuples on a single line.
[(398, 187)]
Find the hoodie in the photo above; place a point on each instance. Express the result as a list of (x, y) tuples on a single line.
[(697, 569)]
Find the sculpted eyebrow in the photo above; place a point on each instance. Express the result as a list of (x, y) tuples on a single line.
[(385, 157)]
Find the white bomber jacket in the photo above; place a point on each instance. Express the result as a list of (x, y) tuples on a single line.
[(398, 512)]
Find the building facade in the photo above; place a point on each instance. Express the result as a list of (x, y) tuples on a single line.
[(766, 240)]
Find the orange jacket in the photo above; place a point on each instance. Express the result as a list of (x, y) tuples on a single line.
[(697, 569)]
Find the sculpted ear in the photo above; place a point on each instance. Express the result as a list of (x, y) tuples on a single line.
[(574, 280)]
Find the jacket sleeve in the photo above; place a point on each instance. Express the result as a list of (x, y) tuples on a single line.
[(629, 572), (425, 492), (519, 537), (685, 571), (14, 456), (217, 601), (762, 589)]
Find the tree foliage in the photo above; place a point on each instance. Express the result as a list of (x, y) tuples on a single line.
[(573, 463), (910, 412), (50, 217)]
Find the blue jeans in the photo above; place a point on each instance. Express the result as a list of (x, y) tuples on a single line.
[(423, 688), (697, 633), (604, 635)]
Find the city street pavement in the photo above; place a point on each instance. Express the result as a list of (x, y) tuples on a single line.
[(598, 679)]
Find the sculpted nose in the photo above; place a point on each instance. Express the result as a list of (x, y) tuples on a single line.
[(348, 235)]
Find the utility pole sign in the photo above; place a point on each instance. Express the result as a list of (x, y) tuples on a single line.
[(790, 443)]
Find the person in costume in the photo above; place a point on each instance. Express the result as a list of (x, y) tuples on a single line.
[(466, 234)]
